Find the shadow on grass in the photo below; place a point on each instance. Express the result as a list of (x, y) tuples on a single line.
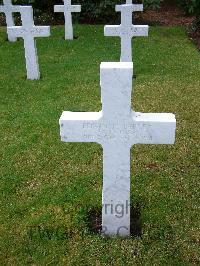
[(76, 37), (94, 221)]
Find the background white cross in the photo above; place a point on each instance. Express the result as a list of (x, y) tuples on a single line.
[(67, 8), (28, 31), (126, 31), (8, 9)]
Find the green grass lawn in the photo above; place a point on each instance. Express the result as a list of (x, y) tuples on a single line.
[(49, 188)]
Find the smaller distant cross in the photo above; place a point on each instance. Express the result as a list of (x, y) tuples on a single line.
[(67, 8), (126, 31), (28, 31), (8, 9)]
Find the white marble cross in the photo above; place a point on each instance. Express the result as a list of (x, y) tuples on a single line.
[(8, 9), (117, 128), (67, 8), (126, 31), (28, 31)]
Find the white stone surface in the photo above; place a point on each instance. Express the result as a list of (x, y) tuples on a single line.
[(67, 9), (28, 31), (8, 9), (126, 31), (137, 7), (117, 127)]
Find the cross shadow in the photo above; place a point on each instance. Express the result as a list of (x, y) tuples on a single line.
[(74, 38), (136, 221), (94, 221)]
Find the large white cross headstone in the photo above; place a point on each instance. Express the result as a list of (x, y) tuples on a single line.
[(28, 31), (126, 31), (8, 9), (117, 127), (67, 8)]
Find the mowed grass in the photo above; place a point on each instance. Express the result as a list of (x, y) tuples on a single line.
[(48, 188)]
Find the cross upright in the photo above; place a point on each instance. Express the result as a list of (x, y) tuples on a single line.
[(8, 9), (129, 2), (67, 8), (28, 31), (126, 31), (117, 128)]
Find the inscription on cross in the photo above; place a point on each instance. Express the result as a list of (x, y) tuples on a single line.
[(67, 9), (126, 31), (28, 31), (8, 9), (117, 128)]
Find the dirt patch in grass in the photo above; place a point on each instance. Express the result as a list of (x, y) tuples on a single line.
[(171, 17), (168, 15)]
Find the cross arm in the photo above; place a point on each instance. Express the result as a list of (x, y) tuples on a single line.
[(79, 126), (16, 31), (112, 30), (2, 9), (13, 9), (62, 8), (37, 31), (16, 9), (75, 8), (41, 31), (141, 30), (129, 6), (138, 8), (59, 8), (155, 128)]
